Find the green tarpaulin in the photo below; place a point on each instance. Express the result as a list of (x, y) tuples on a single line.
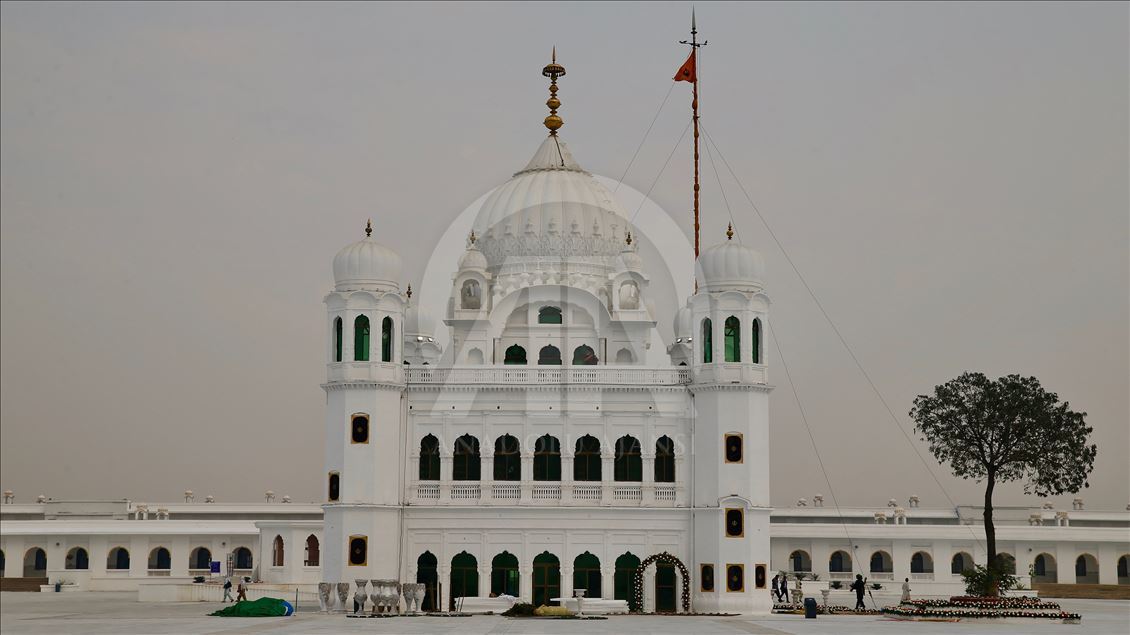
[(263, 607)]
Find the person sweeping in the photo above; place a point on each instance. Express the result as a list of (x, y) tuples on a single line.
[(859, 586)]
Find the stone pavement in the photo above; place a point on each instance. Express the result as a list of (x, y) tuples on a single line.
[(105, 613)]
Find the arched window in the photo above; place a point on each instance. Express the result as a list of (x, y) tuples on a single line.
[(921, 562), (243, 558), (549, 315), (429, 458), (626, 566), (200, 559), (733, 335), (629, 296), (1008, 563), (507, 459), (624, 356), (464, 577), (583, 355), (77, 558), (586, 461), (547, 578), (465, 464), (361, 339), (474, 356), (586, 574), (160, 559), (313, 552), (733, 447), (118, 559), (470, 297), (359, 428), (386, 339), (504, 575), (1086, 569), (547, 459), (515, 355), (707, 341), (277, 558), (881, 562), (427, 575), (334, 492), (549, 356), (337, 339), (1044, 566), (664, 460), (840, 562), (1123, 566), (960, 562), (628, 465), (800, 560), (358, 551), (35, 563), (756, 339)]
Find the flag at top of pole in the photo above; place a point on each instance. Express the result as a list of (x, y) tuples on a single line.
[(687, 70)]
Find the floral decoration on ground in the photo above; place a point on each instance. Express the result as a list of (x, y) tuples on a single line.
[(965, 606)]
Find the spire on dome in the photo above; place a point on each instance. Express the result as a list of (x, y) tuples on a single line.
[(369, 228), (472, 237), (409, 291), (553, 70), (729, 231), (629, 238)]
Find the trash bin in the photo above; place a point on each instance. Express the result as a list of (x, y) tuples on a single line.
[(810, 608), (58, 587)]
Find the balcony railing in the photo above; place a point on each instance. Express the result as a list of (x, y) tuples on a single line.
[(665, 493), (546, 492), (466, 492), (587, 492), (518, 375), (427, 490), (506, 491), (627, 493)]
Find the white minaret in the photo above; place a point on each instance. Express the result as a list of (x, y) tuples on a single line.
[(364, 413), (731, 431)]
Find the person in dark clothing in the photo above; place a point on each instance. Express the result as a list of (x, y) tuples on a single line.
[(777, 587), (859, 586)]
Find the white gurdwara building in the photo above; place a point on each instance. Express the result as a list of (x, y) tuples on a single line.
[(540, 453)]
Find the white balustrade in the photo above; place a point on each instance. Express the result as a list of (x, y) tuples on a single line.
[(506, 491), (587, 492), (875, 575), (466, 491), (427, 490), (511, 375), (546, 492), (922, 576), (631, 493), (665, 493)]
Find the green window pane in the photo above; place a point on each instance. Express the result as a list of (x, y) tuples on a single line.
[(733, 339), (337, 339), (756, 341), (386, 339), (707, 341), (361, 339)]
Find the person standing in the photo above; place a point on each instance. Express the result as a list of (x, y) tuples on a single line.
[(785, 588), (905, 590), (227, 590), (859, 586), (241, 594), (777, 587)]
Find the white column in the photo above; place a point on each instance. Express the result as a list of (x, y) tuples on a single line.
[(607, 476), (1107, 558), (566, 580), (527, 476), (445, 471), (567, 478), (444, 580), (648, 484), (608, 581), (1065, 562), (526, 582), (484, 580), (649, 590), (486, 477)]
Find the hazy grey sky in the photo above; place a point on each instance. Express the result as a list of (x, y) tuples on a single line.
[(952, 179)]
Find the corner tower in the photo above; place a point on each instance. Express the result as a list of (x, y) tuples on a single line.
[(364, 412), (731, 430)]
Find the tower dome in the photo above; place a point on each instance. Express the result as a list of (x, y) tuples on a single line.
[(731, 265), (419, 322), (473, 258), (367, 265)]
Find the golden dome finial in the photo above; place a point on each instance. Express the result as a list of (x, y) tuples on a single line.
[(729, 231), (409, 291), (553, 70), (629, 238), (369, 228), (472, 237)]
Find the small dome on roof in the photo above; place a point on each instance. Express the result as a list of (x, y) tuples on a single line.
[(367, 265), (731, 265), (418, 321)]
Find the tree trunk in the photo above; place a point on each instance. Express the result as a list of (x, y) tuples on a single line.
[(991, 532)]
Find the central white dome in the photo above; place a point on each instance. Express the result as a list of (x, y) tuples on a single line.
[(552, 209)]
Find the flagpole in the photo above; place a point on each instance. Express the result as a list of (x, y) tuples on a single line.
[(695, 44)]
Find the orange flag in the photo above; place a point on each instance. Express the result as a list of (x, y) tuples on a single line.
[(686, 71)]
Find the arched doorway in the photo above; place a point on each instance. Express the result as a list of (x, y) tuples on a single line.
[(313, 552), (840, 562), (664, 579), (547, 578), (626, 566), (426, 574), (960, 562), (160, 559), (35, 563), (1123, 570), (464, 578), (504, 575), (1044, 569), (242, 558), (1086, 569), (118, 559), (586, 575), (200, 559)]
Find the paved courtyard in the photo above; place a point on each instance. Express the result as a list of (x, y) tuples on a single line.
[(97, 613)]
